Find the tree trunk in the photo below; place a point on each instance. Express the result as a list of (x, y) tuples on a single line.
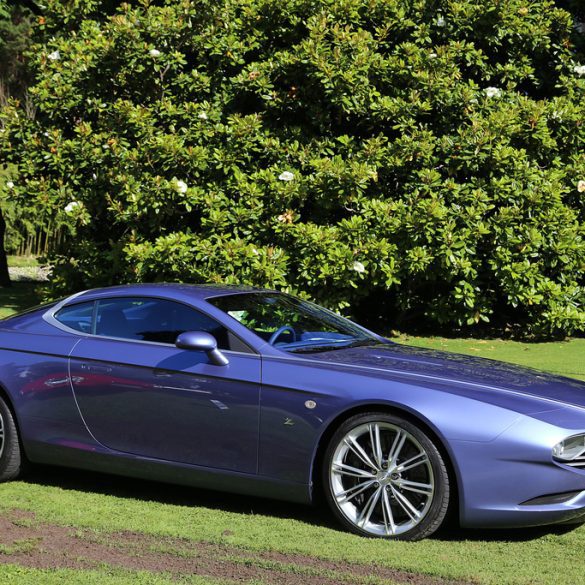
[(4, 276)]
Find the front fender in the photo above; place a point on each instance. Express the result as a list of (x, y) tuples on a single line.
[(291, 429)]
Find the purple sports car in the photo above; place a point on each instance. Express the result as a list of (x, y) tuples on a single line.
[(258, 392)]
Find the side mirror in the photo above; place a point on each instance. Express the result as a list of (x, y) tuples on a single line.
[(202, 341)]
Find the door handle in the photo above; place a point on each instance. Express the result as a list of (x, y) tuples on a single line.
[(97, 369)]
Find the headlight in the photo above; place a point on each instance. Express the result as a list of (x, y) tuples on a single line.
[(571, 451)]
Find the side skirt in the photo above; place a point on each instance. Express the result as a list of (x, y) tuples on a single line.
[(128, 465)]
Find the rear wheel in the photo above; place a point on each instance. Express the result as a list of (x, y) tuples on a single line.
[(10, 452), (384, 477)]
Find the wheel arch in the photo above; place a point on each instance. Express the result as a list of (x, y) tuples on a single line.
[(5, 395), (417, 419), (9, 402)]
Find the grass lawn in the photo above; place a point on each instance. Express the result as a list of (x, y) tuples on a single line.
[(22, 261), (565, 357), (18, 297), (114, 530), (288, 542), (22, 294)]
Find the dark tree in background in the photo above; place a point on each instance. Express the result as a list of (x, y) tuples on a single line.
[(4, 275), (15, 38)]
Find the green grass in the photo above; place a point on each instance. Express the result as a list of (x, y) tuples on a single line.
[(514, 557), (22, 294), (564, 357), (16, 575), (18, 297), (22, 261), (19, 546)]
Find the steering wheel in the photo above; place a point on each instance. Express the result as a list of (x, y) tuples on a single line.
[(280, 331)]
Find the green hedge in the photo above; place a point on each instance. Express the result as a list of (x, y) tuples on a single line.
[(420, 162)]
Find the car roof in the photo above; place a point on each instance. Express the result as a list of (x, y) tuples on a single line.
[(178, 291)]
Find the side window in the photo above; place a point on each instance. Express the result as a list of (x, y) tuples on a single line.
[(158, 320), (78, 317)]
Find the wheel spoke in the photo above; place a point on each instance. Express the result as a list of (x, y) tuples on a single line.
[(345, 469), (1, 435), (359, 452), (415, 461), (352, 492), (376, 443), (366, 513), (412, 512), (381, 478), (388, 516), (414, 486), (397, 445)]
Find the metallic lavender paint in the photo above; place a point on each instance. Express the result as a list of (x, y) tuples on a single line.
[(159, 412)]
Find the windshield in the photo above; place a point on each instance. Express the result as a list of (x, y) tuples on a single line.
[(291, 324)]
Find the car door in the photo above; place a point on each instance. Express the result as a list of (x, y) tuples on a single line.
[(139, 394)]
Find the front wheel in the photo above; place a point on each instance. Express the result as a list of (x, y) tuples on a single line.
[(10, 453), (384, 477)]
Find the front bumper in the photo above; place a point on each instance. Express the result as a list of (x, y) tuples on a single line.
[(513, 481)]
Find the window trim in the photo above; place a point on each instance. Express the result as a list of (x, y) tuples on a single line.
[(50, 317), (62, 325)]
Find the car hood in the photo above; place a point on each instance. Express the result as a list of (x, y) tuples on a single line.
[(402, 361)]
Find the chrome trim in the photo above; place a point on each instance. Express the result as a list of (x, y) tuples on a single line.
[(577, 465), (49, 315), (1, 435)]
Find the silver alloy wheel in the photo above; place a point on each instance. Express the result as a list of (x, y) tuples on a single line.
[(1, 435), (381, 478)]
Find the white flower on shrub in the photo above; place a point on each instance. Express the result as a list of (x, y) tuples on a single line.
[(581, 186), (181, 187), (286, 176), (579, 70), (358, 267), (432, 55), (10, 184), (154, 53), (441, 21), (72, 206), (54, 56), (287, 217), (492, 92), (202, 116)]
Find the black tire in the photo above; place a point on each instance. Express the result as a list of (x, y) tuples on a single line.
[(11, 457), (402, 495)]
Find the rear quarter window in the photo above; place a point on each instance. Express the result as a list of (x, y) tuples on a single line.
[(78, 316)]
